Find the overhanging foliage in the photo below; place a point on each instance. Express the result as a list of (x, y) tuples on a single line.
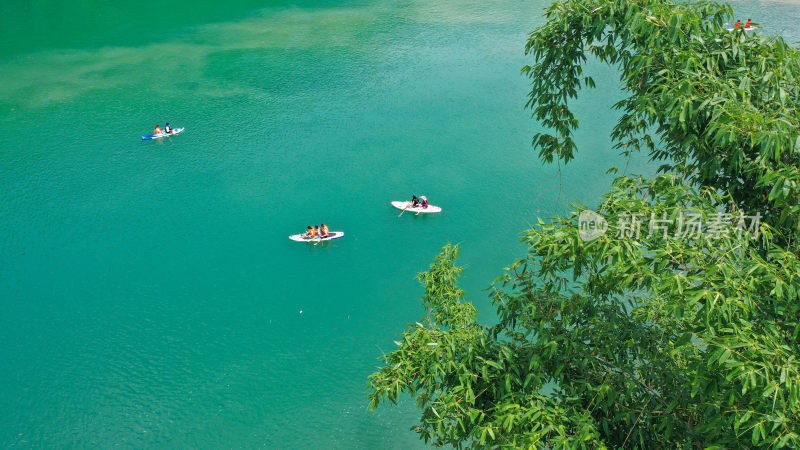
[(650, 339), (718, 106)]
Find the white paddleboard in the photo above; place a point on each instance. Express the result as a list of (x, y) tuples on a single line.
[(304, 238), (159, 136), (419, 209)]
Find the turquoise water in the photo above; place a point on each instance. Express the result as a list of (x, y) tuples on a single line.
[(149, 294)]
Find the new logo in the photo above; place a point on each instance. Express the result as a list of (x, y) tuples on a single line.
[(591, 225)]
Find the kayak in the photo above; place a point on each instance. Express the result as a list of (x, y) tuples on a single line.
[(302, 237), (406, 206), (743, 28), (159, 136)]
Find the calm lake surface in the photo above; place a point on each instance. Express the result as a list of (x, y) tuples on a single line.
[(149, 293)]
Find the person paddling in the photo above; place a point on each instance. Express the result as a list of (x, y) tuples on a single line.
[(167, 128), (323, 229), (158, 130), (414, 201), (310, 232), (423, 201), (737, 24), (748, 24)]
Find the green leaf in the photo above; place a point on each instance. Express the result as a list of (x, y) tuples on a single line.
[(724, 356), (684, 339)]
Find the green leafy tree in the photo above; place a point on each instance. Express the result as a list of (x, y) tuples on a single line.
[(719, 107), (648, 337)]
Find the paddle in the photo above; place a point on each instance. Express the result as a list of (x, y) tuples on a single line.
[(404, 209), (319, 236)]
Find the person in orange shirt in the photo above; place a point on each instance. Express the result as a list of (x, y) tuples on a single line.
[(748, 24), (323, 229), (158, 130), (310, 233)]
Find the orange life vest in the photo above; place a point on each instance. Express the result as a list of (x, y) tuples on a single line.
[(158, 130), (311, 232), (324, 230)]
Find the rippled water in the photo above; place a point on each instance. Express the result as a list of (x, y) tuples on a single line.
[(149, 294)]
